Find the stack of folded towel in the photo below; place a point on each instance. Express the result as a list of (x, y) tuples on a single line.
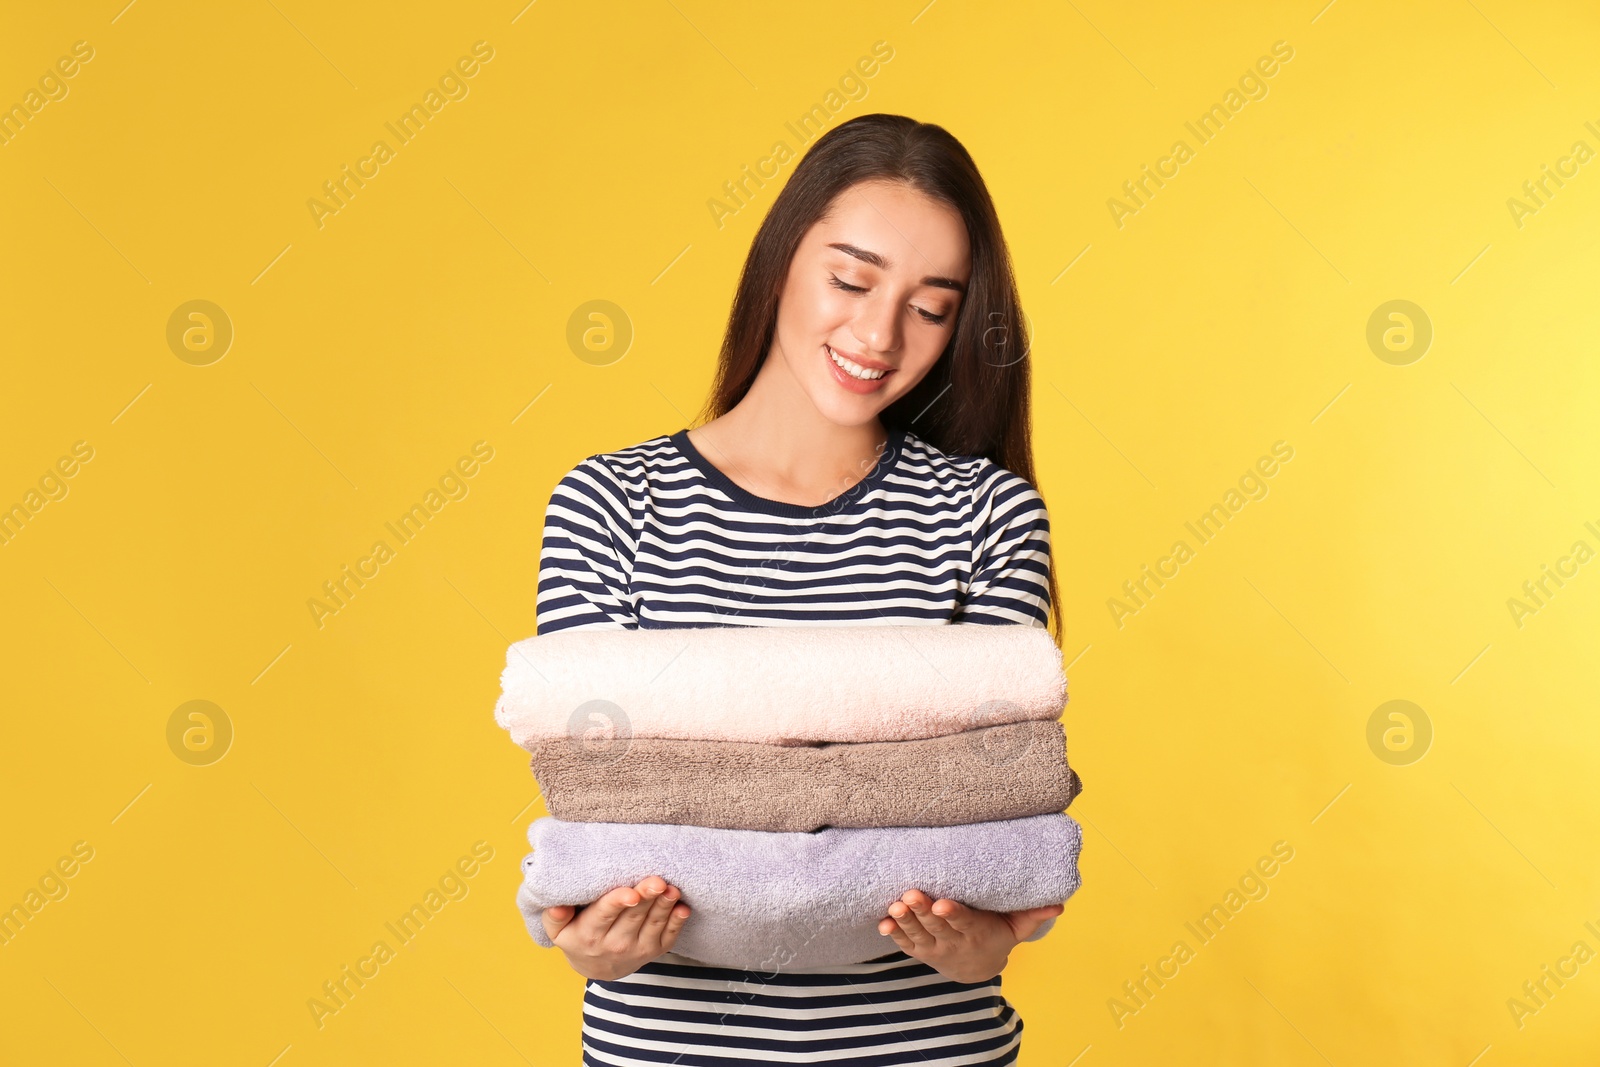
[(792, 782)]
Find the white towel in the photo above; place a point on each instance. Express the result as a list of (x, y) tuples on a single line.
[(779, 684)]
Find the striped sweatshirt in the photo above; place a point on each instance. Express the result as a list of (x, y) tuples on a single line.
[(655, 536)]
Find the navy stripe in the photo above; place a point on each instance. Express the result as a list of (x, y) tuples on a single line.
[(655, 536)]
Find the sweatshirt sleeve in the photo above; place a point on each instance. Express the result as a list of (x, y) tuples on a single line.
[(1011, 554), (586, 553)]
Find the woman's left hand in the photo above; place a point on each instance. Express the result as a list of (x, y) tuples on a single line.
[(963, 944)]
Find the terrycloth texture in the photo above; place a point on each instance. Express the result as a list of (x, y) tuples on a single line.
[(780, 901), (780, 684), (1009, 771)]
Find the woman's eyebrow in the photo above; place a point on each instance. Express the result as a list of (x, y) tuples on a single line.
[(883, 264)]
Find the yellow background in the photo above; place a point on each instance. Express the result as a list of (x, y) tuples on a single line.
[(431, 312)]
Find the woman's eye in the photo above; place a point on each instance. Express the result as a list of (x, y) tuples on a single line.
[(927, 316)]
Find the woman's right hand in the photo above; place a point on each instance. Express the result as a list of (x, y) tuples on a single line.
[(620, 932)]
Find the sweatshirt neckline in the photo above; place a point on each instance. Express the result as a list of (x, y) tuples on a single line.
[(888, 459)]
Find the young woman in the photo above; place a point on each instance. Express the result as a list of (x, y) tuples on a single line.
[(866, 462)]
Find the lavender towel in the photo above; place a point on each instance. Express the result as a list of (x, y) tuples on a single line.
[(780, 684), (783, 901), (1008, 771)]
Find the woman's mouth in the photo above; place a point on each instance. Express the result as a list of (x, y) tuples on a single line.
[(852, 375)]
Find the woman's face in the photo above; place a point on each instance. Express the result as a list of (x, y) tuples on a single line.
[(877, 283)]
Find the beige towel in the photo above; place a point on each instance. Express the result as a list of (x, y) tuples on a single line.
[(1009, 771)]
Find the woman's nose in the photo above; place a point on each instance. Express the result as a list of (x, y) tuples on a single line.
[(877, 328)]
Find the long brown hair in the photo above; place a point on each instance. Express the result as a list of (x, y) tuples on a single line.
[(975, 401)]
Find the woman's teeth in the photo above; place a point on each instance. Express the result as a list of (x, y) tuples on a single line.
[(855, 370)]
